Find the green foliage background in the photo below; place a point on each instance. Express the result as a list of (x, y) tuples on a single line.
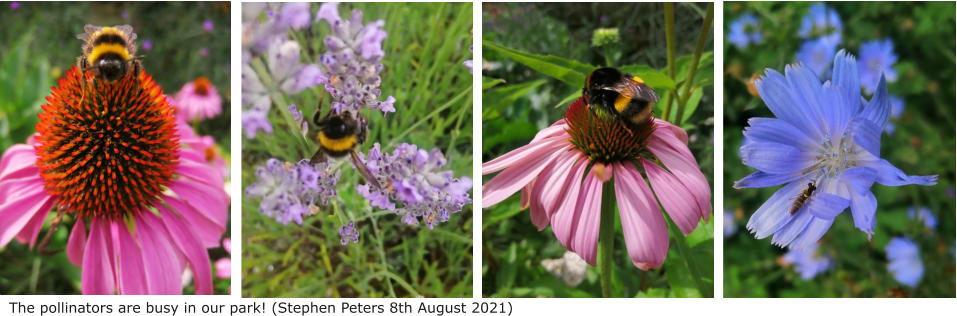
[(424, 52), (38, 44), (923, 143), (536, 57)]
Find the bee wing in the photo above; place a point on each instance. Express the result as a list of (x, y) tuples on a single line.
[(128, 30), (635, 90), (318, 157), (364, 170), (88, 31)]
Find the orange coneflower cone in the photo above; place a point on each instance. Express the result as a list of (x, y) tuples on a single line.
[(110, 155)]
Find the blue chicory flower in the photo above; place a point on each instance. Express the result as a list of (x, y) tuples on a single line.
[(924, 215), (817, 54), (289, 190), (823, 23), (352, 62), (808, 262), (825, 134), (744, 31), (348, 234), (897, 108), (905, 262), (729, 226), (877, 60), (414, 177)]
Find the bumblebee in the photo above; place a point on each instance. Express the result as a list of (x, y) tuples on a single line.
[(109, 52), (802, 199), (339, 135), (612, 93)]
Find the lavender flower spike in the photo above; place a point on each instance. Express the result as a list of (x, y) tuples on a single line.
[(352, 62), (414, 177), (289, 191), (348, 234)]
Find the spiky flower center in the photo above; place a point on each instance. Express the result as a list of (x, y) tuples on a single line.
[(201, 85), (604, 140), (106, 149)]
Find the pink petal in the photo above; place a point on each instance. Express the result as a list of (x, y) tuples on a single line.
[(523, 199), (585, 239), (205, 228), (673, 197), (130, 272), (162, 260), (211, 201), (535, 211), (553, 182), (520, 173), (25, 203), (29, 233), (675, 130), (646, 235), (76, 244), (97, 271), (679, 161), (227, 244), (557, 129), (536, 148), (194, 166), (566, 215), (223, 268), (189, 244), (18, 161)]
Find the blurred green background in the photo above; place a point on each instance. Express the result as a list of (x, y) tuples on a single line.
[(519, 100), (424, 52), (923, 143), (38, 44)]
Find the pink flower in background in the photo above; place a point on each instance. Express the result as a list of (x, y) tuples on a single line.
[(223, 264), (208, 26), (551, 173), (198, 100), (144, 207)]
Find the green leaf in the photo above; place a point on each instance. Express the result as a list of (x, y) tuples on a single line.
[(497, 99), (488, 83), (568, 99), (567, 70)]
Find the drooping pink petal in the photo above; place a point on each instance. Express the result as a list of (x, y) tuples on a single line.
[(526, 192), (212, 200), (205, 228), (163, 261), (29, 233), (191, 246), (25, 203), (679, 161), (194, 166), (97, 276), (18, 161), (536, 148), (553, 182), (673, 197), (130, 272), (76, 244), (585, 239), (520, 173), (646, 235), (568, 209), (535, 211)]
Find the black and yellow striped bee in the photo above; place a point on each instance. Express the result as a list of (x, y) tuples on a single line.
[(802, 199), (109, 52), (612, 93), (339, 135)]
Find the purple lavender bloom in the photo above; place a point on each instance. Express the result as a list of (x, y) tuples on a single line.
[(427, 193), (905, 262), (729, 226), (823, 23), (208, 25), (897, 108), (261, 34), (254, 120), (817, 54), (289, 191), (352, 62), (877, 60), (301, 122), (825, 134), (808, 262), (468, 63), (147, 45), (293, 15), (256, 100), (924, 215), (348, 234), (291, 76), (744, 31)]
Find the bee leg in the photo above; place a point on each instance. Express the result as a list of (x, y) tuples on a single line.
[(318, 157), (370, 178), (42, 247)]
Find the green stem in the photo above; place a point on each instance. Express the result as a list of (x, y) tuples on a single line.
[(685, 253), (606, 237), (702, 38), (607, 56), (670, 43)]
